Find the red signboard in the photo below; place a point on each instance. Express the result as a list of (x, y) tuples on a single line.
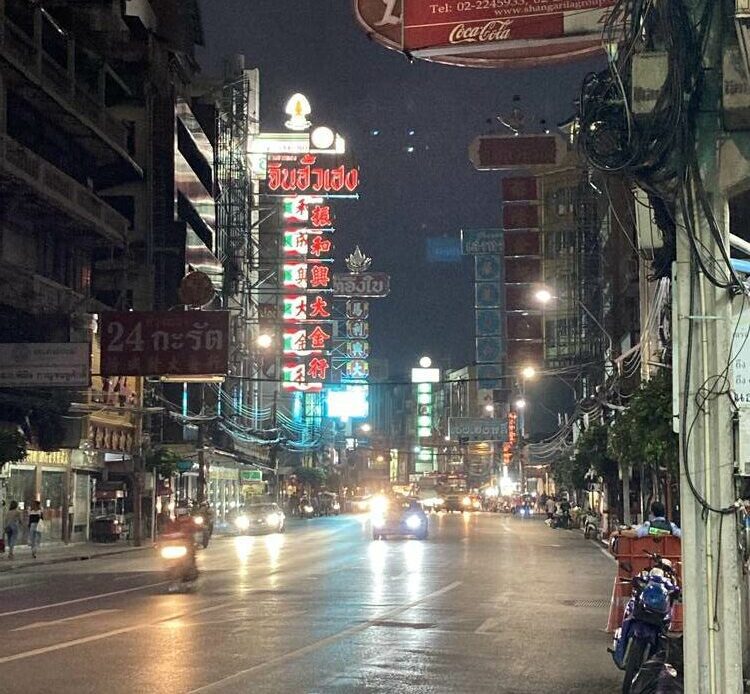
[(519, 188), (520, 216), (487, 33), (497, 152), (167, 343)]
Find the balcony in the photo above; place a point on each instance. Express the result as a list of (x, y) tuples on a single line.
[(60, 191), (44, 79)]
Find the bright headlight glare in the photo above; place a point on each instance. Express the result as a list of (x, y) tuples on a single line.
[(308, 509), (242, 522), (378, 520), (413, 522), (173, 551), (272, 519), (466, 501), (379, 504), (198, 520)]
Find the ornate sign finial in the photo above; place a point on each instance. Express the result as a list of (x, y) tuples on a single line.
[(358, 262)]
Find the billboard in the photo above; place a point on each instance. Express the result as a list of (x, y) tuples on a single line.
[(348, 402), (487, 33), (45, 365), (482, 241), (477, 429), (501, 152), (164, 343)]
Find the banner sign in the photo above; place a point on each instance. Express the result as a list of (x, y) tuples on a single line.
[(45, 364), (357, 309), (303, 176), (362, 284), (487, 33), (477, 429), (174, 343), (482, 241)]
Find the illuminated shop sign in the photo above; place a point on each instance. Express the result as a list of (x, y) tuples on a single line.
[(307, 339), (307, 276), (306, 307), (307, 244), (303, 176)]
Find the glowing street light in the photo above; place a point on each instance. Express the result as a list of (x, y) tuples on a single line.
[(425, 362), (264, 341), (490, 409), (543, 296), (520, 404), (528, 372), (366, 428)]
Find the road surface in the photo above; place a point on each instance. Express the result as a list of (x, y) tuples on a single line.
[(487, 604)]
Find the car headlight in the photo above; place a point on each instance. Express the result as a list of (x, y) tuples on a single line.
[(336, 506), (242, 522), (173, 551), (272, 519), (439, 501), (308, 508), (379, 504), (198, 520), (466, 501), (413, 522), (378, 520)]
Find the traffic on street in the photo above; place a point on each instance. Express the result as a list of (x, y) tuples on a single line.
[(487, 603)]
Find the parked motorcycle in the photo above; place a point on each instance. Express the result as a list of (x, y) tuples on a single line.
[(178, 553), (647, 618), (305, 508), (591, 525), (662, 674)]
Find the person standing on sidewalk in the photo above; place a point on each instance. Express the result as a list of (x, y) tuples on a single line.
[(36, 527), (12, 526)]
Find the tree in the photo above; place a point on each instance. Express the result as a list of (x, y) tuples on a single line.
[(12, 446), (310, 477), (163, 462), (591, 452), (642, 436)]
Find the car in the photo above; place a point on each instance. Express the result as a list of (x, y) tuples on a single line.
[(398, 517), (260, 518)]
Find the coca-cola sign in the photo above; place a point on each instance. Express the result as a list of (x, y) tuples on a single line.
[(166, 343), (362, 284), (491, 33)]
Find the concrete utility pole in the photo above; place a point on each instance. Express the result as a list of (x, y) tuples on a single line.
[(712, 565)]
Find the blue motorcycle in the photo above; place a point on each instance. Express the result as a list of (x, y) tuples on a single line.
[(647, 618)]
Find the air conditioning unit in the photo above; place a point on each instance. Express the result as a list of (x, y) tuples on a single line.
[(649, 76)]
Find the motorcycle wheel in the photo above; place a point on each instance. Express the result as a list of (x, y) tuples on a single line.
[(635, 657)]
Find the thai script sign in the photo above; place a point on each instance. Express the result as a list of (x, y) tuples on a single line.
[(482, 241), (477, 429), (302, 176), (45, 364), (175, 343), (363, 284)]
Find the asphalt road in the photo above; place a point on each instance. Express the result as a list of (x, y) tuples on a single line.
[(487, 604)]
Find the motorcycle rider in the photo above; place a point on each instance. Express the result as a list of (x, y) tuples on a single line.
[(657, 525)]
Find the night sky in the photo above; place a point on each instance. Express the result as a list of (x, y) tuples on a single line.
[(357, 87)]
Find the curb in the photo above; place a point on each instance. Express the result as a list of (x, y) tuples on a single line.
[(71, 558)]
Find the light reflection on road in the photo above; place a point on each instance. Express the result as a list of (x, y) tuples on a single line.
[(377, 552), (413, 555)]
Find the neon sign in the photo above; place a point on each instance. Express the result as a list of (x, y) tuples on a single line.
[(303, 176), (302, 341), (307, 243), (300, 307)]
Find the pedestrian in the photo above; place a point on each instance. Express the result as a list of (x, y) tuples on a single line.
[(550, 507), (12, 526), (36, 527)]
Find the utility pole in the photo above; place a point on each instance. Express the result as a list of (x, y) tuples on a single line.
[(702, 317)]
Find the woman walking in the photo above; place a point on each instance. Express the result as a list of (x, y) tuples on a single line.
[(12, 526), (36, 527)]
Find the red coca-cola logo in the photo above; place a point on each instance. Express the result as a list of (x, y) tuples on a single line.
[(496, 30)]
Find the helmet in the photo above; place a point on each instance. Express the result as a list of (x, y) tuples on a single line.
[(655, 597)]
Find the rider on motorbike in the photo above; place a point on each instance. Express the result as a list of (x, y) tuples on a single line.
[(657, 525)]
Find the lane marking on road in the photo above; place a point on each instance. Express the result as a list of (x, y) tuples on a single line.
[(19, 586), (87, 598), (603, 551), (322, 643), (105, 635), (85, 615)]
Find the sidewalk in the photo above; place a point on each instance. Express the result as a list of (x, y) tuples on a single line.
[(56, 553)]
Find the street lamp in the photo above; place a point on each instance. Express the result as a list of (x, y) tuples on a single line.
[(520, 404), (366, 428), (528, 372), (489, 409), (264, 340)]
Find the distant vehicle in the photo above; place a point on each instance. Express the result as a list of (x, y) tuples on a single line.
[(329, 504), (397, 516), (359, 504), (260, 518)]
